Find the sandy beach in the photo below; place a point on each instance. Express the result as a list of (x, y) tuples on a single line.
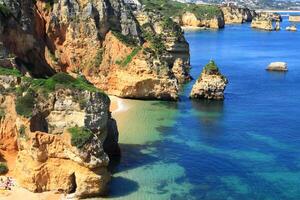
[(117, 104)]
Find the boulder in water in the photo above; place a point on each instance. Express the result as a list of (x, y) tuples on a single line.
[(278, 66)]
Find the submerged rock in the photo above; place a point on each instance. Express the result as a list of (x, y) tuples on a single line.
[(278, 66), (210, 85)]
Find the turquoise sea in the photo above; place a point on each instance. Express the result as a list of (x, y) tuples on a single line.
[(245, 148)]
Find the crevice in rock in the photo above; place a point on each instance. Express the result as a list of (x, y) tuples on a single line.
[(73, 183)]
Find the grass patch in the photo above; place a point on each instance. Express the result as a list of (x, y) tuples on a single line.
[(3, 168), (62, 80), (128, 58), (10, 72), (80, 136)]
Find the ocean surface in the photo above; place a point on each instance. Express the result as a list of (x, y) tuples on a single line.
[(245, 148)]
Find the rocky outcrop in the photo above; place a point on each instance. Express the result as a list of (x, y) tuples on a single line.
[(291, 28), (59, 133), (294, 18), (49, 37), (210, 85), (189, 19), (263, 21), (278, 66), (237, 15)]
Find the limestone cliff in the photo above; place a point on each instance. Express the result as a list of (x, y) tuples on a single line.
[(189, 19), (74, 37), (210, 85), (264, 21), (237, 15), (58, 127)]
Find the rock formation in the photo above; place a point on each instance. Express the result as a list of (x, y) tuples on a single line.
[(264, 21), (295, 18), (291, 28), (237, 15), (189, 19), (210, 85), (58, 126), (104, 40), (278, 66)]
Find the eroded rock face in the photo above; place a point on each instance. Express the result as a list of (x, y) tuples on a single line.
[(189, 19), (264, 21), (47, 158), (73, 37), (237, 15), (210, 85)]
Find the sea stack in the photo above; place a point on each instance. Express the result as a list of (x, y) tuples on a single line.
[(291, 28), (210, 85), (278, 66)]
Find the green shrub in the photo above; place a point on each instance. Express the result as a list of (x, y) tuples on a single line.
[(3, 168), (211, 68), (129, 58), (10, 72), (80, 136), (156, 42), (25, 104), (4, 10)]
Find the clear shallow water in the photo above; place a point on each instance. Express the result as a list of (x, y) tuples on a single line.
[(246, 147)]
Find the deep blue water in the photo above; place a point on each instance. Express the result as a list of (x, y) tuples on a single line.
[(245, 148)]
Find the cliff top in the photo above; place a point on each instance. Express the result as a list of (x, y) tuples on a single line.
[(172, 8)]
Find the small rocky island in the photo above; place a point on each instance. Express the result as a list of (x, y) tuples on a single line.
[(210, 85), (278, 66)]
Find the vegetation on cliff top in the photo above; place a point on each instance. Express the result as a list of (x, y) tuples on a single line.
[(80, 136), (30, 88), (170, 8), (211, 68), (62, 80)]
